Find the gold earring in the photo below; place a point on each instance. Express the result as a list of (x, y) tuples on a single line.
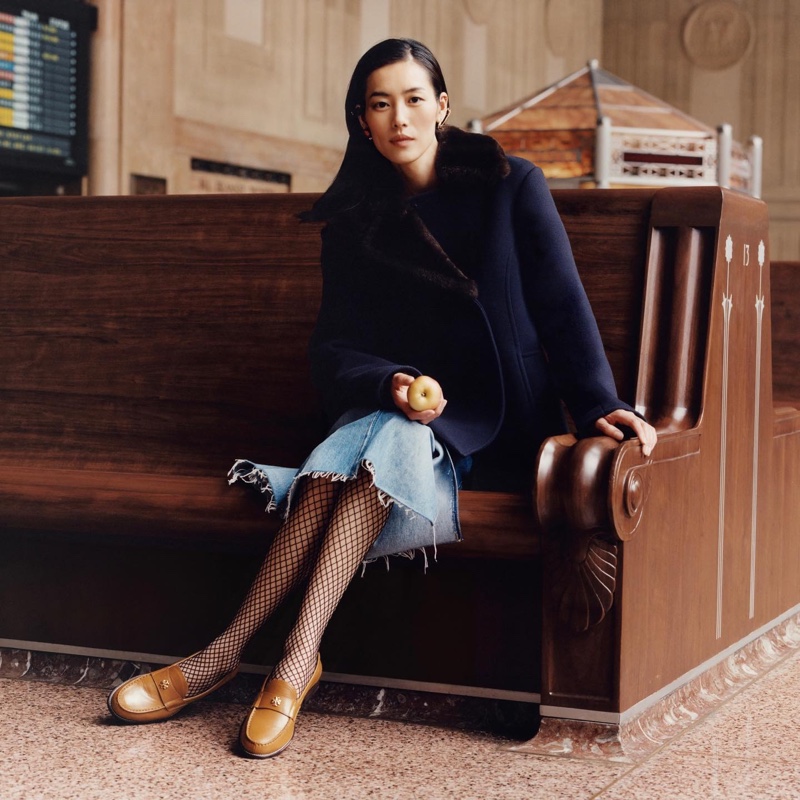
[(444, 118)]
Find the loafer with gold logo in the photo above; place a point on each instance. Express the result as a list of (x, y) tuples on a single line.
[(156, 696), (269, 727)]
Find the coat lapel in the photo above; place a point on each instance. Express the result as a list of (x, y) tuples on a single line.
[(396, 243), (400, 245)]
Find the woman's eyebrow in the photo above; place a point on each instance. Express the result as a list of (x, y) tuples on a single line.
[(405, 91)]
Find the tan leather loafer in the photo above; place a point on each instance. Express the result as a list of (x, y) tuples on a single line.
[(156, 696), (269, 727)]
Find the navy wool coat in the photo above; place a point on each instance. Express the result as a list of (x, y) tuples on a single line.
[(507, 342)]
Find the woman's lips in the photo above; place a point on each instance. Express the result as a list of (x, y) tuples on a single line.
[(401, 139)]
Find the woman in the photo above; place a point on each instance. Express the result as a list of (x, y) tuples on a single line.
[(441, 257)]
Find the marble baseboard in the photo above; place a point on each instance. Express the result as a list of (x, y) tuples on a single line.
[(64, 668), (514, 719), (636, 739)]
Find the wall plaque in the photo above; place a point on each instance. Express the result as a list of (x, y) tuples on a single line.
[(717, 34)]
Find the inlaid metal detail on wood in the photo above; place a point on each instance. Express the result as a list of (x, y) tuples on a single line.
[(727, 306), (760, 304)]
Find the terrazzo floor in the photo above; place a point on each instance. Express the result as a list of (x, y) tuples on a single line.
[(58, 742)]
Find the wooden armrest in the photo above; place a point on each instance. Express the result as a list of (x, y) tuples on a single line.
[(599, 483)]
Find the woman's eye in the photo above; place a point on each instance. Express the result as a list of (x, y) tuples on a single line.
[(380, 104), (415, 100)]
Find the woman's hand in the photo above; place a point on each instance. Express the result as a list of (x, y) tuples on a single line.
[(646, 433), (400, 384)]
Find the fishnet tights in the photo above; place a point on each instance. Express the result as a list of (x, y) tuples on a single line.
[(288, 562), (357, 519), (327, 534)]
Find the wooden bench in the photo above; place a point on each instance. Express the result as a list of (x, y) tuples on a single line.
[(147, 342)]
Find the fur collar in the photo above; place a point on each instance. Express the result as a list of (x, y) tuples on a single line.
[(394, 242), (467, 160)]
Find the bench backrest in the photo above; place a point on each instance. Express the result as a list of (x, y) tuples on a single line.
[(156, 334), (161, 333)]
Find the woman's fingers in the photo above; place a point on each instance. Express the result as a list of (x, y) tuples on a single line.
[(607, 429), (645, 432), (400, 384), (426, 417)]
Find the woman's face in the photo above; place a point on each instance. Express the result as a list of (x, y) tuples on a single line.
[(402, 111)]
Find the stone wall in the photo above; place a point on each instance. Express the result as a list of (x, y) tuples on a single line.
[(729, 61), (260, 84)]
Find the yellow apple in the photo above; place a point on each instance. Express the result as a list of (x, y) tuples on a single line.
[(424, 394)]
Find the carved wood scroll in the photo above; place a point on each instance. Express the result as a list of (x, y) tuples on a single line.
[(590, 495)]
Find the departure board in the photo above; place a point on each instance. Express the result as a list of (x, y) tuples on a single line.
[(44, 83)]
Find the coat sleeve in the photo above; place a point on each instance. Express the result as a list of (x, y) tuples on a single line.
[(560, 308), (346, 368)]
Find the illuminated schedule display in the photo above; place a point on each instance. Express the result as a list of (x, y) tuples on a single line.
[(44, 84)]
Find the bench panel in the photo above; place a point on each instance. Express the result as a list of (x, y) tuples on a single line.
[(785, 277)]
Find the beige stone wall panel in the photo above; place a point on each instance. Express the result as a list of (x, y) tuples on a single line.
[(521, 59), (105, 100), (310, 166), (261, 83), (757, 95), (147, 80)]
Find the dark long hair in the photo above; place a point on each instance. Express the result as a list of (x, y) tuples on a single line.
[(364, 172)]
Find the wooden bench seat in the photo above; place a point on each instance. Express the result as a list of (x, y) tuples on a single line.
[(83, 501)]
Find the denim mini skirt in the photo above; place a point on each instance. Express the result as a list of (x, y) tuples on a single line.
[(412, 471)]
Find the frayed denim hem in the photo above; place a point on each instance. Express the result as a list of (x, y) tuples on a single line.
[(250, 473)]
